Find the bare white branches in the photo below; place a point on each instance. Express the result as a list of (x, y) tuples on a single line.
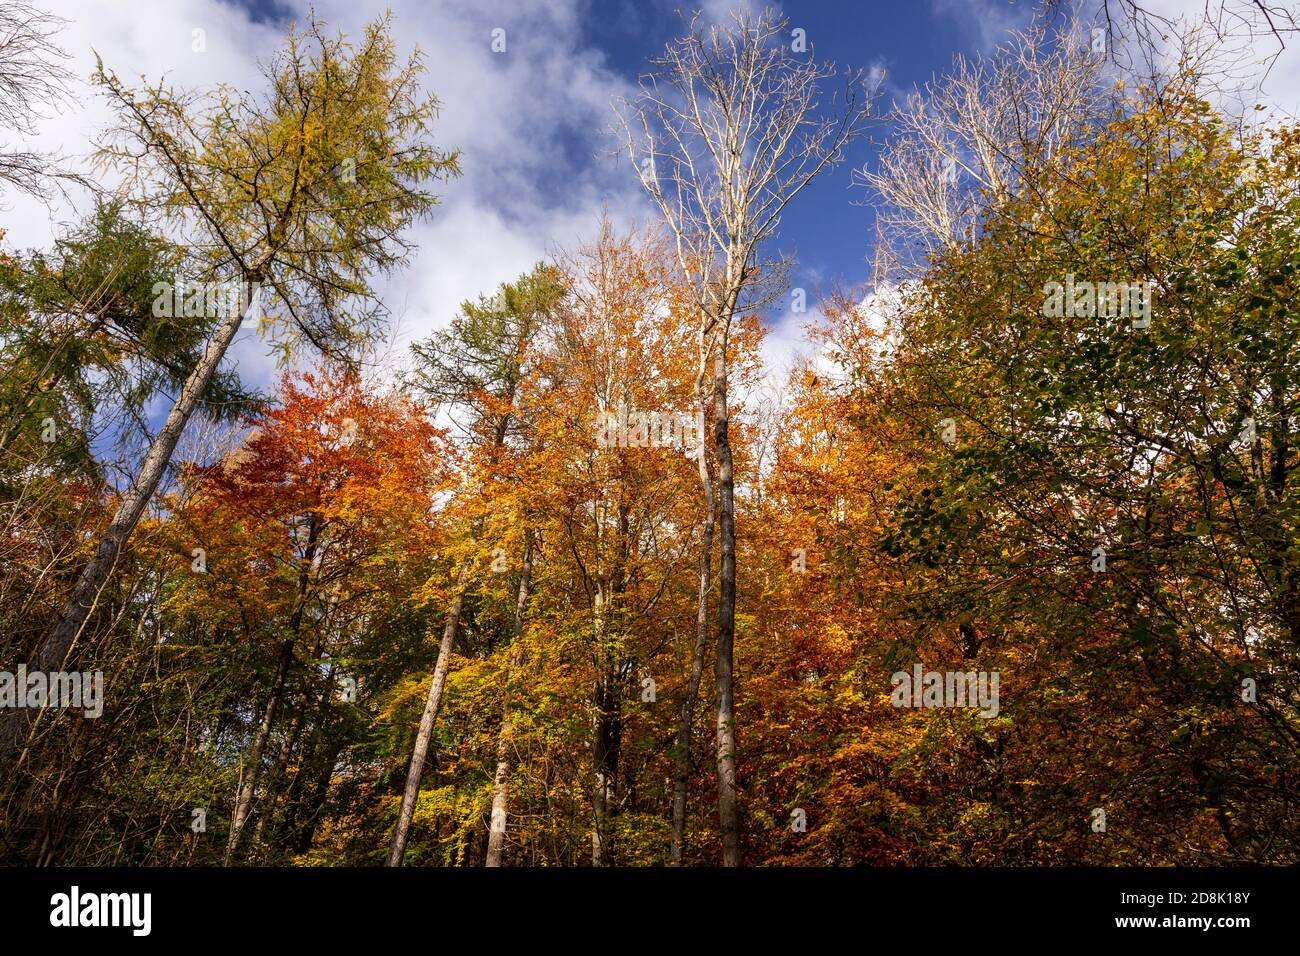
[(963, 141), (32, 76), (1255, 31), (731, 126)]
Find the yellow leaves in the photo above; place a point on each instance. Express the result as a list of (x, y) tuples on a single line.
[(270, 179), (455, 815), (407, 697)]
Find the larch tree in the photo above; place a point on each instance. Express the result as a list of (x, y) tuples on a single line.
[(298, 198)]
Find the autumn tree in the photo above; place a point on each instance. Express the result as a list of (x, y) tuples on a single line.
[(1107, 483), (287, 525), (476, 367)]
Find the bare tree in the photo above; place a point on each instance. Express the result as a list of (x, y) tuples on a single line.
[(962, 141), (32, 81), (726, 131), (1139, 33)]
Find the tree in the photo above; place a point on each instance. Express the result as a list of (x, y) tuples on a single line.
[(725, 133), (477, 364), (966, 140), (79, 320), (304, 194), (1115, 494), (329, 482), (622, 506), (32, 80)]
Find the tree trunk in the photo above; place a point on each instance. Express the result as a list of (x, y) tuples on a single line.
[(607, 723), (248, 783), (274, 779), (85, 593), (501, 782), (306, 811), (607, 738), (253, 771), (683, 756), (422, 737), (727, 815), (303, 801)]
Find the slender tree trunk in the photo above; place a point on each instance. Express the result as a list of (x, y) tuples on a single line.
[(607, 738), (727, 813), (275, 777), (85, 593), (252, 767), (400, 832), (501, 782), (607, 724), (683, 758), (276, 794), (316, 742), (306, 812)]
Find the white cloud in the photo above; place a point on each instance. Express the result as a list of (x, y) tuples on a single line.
[(1256, 65), (530, 123), (988, 22), (787, 343), (721, 12), (154, 39)]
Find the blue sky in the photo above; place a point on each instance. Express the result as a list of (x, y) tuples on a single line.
[(830, 227), (532, 121)]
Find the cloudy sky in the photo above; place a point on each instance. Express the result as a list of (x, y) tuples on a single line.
[(533, 122)]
